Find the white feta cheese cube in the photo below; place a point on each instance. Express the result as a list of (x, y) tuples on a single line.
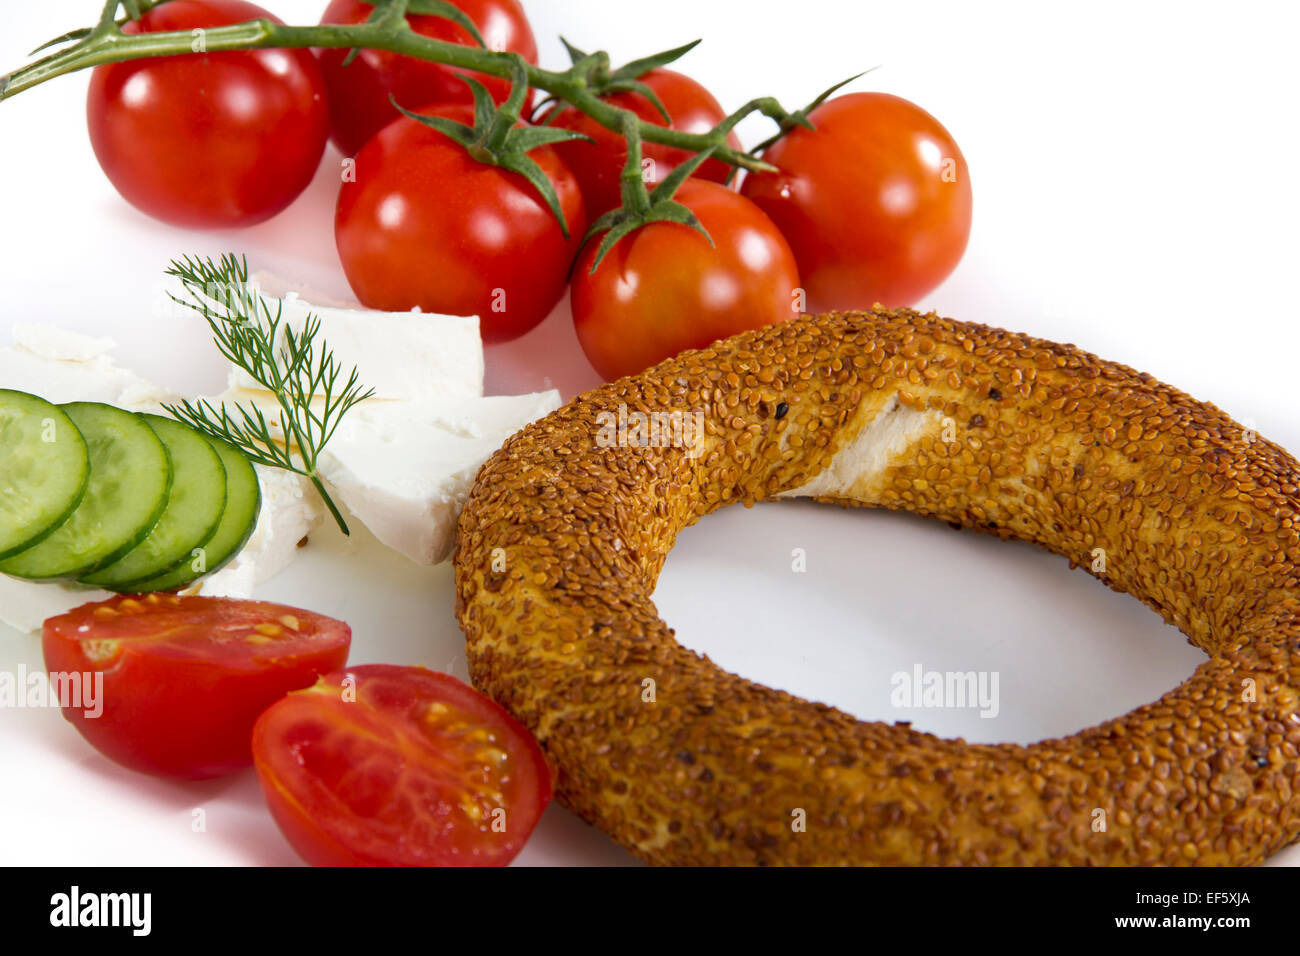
[(413, 356), (405, 471)]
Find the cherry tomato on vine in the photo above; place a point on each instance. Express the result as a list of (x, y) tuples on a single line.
[(358, 92), (402, 766), (663, 288), (876, 202), (185, 678), (599, 164), (208, 139), (426, 225)]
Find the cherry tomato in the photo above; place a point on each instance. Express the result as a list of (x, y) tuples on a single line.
[(184, 678), (426, 225), (358, 93), (208, 139), (599, 164), (663, 288), (399, 766), (876, 202)]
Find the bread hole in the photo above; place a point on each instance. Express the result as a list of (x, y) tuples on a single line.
[(884, 593)]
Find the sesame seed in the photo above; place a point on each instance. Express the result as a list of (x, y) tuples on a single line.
[(1075, 453)]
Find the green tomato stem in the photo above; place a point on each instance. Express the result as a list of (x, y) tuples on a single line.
[(636, 198), (390, 31)]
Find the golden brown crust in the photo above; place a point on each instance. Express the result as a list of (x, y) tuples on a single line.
[(1044, 442)]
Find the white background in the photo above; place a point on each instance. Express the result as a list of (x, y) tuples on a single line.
[(1136, 173)]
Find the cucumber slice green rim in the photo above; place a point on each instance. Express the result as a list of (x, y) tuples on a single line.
[(130, 476), (44, 470), (194, 508), (243, 504)]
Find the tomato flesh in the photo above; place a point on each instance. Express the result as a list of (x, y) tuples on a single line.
[(359, 92), (426, 225), (598, 165), (208, 139), (185, 677), (663, 288), (876, 202), (399, 766)]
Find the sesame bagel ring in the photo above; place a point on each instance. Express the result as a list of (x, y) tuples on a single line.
[(564, 535)]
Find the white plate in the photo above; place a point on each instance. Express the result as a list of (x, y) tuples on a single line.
[(1135, 193)]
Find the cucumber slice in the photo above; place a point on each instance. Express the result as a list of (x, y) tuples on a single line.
[(130, 475), (243, 503), (194, 508), (44, 467)]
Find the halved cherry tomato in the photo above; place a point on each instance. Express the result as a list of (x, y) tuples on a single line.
[(426, 225), (184, 678), (399, 766), (358, 92), (876, 202), (599, 164), (208, 139), (663, 288)]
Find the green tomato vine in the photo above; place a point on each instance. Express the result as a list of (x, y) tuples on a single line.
[(493, 140)]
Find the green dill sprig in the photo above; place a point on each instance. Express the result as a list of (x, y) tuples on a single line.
[(297, 372)]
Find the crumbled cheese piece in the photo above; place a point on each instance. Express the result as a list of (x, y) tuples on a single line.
[(290, 511), (62, 366)]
